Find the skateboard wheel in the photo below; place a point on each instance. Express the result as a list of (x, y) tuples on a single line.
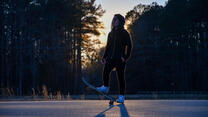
[(111, 102)]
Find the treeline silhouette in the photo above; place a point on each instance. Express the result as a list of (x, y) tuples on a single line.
[(46, 44), (42, 42), (170, 47)]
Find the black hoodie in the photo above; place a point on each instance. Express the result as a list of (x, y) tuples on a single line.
[(118, 39)]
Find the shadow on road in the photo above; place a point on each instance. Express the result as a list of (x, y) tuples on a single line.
[(123, 111)]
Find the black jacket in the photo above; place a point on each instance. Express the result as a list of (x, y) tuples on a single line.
[(118, 39)]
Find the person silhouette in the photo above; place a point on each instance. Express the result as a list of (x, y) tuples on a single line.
[(117, 52)]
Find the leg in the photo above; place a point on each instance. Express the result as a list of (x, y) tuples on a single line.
[(106, 72), (120, 69)]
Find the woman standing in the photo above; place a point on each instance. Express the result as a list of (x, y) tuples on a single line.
[(117, 52)]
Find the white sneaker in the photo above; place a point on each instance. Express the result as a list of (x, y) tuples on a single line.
[(120, 99), (103, 89)]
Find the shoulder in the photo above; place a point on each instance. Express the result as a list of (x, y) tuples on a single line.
[(124, 31), (110, 34)]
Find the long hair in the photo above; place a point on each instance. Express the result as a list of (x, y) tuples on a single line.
[(121, 21)]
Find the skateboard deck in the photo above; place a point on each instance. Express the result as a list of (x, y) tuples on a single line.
[(112, 100)]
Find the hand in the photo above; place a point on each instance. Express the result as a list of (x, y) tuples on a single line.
[(103, 61), (123, 60)]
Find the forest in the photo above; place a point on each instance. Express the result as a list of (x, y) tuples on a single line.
[(42, 42), (170, 46), (49, 43)]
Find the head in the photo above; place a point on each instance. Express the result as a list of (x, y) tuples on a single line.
[(118, 21)]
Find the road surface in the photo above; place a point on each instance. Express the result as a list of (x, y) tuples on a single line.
[(100, 108)]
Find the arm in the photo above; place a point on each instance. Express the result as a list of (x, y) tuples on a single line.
[(128, 47)]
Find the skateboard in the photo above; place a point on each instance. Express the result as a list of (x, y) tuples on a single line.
[(112, 100)]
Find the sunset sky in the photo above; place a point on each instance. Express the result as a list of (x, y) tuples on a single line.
[(119, 6)]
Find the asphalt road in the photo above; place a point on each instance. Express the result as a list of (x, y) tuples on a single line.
[(101, 108)]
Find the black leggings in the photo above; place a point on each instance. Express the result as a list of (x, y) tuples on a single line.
[(120, 70)]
